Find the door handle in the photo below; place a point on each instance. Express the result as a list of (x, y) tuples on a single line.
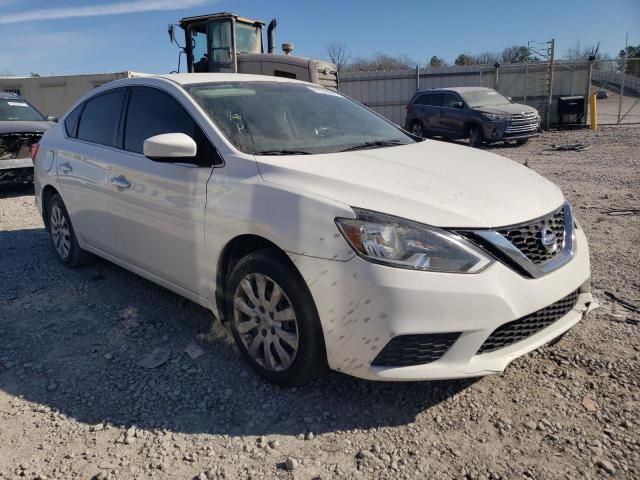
[(65, 167), (120, 182)]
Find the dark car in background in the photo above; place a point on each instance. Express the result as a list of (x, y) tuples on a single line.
[(477, 113), (21, 126)]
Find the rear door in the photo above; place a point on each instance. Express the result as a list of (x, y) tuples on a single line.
[(158, 208), (430, 110), (84, 168), (451, 117)]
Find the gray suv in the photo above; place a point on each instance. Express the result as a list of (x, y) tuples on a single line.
[(479, 114)]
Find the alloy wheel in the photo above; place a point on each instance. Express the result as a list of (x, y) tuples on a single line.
[(266, 322), (416, 129), (60, 232)]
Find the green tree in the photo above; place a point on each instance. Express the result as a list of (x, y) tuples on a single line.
[(464, 59), (436, 61)]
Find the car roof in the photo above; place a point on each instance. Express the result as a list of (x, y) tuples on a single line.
[(456, 89), (195, 78)]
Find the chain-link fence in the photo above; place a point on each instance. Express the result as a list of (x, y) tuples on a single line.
[(616, 83)]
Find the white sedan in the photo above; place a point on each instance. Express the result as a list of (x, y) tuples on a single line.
[(325, 235)]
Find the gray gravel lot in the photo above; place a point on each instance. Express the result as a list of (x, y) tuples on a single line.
[(74, 403)]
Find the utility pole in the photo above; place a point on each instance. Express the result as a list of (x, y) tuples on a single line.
[(550, 85), (624, 75)]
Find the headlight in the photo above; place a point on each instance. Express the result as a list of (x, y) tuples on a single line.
[(495, 116), (397, 242)]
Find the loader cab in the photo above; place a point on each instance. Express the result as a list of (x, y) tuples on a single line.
[(213, 42)]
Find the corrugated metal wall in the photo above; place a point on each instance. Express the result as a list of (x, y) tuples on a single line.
[(387, 92)]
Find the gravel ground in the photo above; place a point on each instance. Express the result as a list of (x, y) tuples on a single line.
[(74, 403)]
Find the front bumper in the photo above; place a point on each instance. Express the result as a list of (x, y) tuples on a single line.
[(496, 131), (362, 306)]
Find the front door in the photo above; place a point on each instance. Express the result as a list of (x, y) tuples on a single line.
[(451, 115), (158, 208)]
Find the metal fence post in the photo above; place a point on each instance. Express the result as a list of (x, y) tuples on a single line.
[(417, 78), (624, 77), (550, 86)]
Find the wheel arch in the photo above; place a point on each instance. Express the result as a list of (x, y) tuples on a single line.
[(47, 194), (235, 249), (468, 124)]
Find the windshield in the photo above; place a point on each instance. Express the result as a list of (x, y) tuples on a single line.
[(273, 118), (18, 110), (484, 98)]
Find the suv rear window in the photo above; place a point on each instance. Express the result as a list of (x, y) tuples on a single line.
[(100, 118)]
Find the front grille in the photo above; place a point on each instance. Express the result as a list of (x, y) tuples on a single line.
[(406, 350), (522, 123), (527, 238), (524, 327)]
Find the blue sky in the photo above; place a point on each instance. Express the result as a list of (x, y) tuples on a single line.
[(76, 36)]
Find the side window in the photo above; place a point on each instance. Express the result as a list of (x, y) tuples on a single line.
[(449, 100), (153, 112), (100, 118), (422, 100), (71, 122)]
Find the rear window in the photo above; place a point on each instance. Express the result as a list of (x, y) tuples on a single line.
[(100, 118)]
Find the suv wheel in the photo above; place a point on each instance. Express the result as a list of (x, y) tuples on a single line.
[(274, 321), (475, 136), (522, 141), (63, 236), (417, 128)]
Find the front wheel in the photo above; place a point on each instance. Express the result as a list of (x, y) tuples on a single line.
[(522, 141), (274, 321), (475, 136), (418, 129)]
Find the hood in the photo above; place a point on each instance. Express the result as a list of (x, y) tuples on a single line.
[(510, 108), (432, 182), (25, 127)]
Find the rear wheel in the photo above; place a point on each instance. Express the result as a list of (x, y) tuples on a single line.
[(417, 128), (522, 141), (475, 136), (274, 321), (63, 236)]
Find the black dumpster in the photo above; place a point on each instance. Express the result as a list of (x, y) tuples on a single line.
[(571, 110)]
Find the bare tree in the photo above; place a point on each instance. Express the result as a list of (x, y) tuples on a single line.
[(381, 61), (518, 54), (578, 52), (338, 54)]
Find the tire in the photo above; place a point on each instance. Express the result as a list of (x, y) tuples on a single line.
[(522, 141), (475, 136), (63, 237), (286, 352), (417, 129)]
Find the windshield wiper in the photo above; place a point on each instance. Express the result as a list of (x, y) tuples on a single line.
[(374, 144), (282, 152)]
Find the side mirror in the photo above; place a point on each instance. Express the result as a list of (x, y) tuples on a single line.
[(52, 119), (170, 147), (458, 105)]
